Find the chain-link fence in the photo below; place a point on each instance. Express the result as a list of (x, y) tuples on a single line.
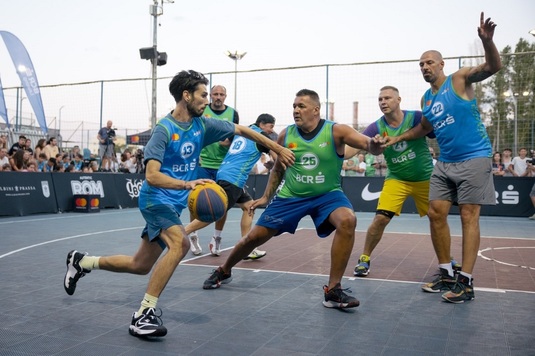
[(75, 112)]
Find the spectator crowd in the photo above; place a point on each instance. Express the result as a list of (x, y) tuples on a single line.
[(47, 156)]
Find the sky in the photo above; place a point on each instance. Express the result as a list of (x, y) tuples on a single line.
[(76, 41)]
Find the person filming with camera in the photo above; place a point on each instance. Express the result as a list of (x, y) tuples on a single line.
[(106, 151)]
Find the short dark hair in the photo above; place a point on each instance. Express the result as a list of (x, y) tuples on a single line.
[(310, 93), (389, 87), (265, 119), (186, 80)]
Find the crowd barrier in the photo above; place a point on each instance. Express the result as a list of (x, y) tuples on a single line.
[(31, 193)]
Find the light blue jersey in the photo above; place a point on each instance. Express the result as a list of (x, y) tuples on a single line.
[(177, 147), (457, 124), (239, 160)]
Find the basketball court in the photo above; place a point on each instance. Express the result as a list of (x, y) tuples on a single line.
[(273, 305)]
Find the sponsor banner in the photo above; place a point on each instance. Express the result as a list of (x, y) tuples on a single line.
[(29, 193), (24, 193), (127, 188), (512, 196), (67, 185)]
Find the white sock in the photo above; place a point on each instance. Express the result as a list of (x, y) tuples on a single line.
[(217, 233), (469, 276), (447, 267)]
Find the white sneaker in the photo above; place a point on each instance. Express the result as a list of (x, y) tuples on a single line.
[(195, 247), (255, 255), (215, 246), (532, 217)]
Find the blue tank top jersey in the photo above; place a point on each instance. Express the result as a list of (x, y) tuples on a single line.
[(457, 124), (239, 160), (177, 147)]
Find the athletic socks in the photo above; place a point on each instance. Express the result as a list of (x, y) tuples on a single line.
[(89, 262), (447, 267), (469, 276), (217, 233), (148, 302)]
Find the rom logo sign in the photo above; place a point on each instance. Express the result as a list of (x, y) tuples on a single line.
[(87, 187)]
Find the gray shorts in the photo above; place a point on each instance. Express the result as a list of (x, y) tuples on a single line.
[(467, 182), (532, 193)]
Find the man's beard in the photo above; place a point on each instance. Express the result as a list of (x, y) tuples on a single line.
[(194, 112)]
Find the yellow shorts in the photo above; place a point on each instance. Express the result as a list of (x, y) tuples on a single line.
[(395, 192)]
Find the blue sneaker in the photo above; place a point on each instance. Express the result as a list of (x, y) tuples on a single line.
[(363, 267)]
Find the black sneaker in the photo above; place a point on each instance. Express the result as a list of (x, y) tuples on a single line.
[(336, 298), (462, 291), (74, 271), (444, 282), (217, 278), (147, 324)]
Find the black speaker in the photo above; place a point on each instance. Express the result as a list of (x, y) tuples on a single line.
[(148, 53), (162, 59)]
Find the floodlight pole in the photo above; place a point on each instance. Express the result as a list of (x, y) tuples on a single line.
[(154, 11), (236, 56)]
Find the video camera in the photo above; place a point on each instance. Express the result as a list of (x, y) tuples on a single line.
[(110, 135)]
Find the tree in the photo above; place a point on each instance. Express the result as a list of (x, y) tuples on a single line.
[(510, 93)]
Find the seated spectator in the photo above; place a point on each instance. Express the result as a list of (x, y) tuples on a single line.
[(498, 169), (32, 166), (51, 149), (507, 157), (39, 148), (78, 162), (70, 168), (50, 165), (41, 162), (17, 160), (17, 145), (28, 146), (518, 166), (128, 163), (3, 142), (4, 158), (6, 168), (355, 166), (380, 166), (65, 160)]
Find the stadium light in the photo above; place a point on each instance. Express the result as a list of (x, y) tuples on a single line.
[(236, 56)]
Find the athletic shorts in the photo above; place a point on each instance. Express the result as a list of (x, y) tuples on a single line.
[(207, 173), (395, 193), (466, 182), (235, 194), (532, 193), (284, 214), (158, 218)]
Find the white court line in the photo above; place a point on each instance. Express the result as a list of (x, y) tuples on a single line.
[(255, 270), (480, 254), (68, 238)]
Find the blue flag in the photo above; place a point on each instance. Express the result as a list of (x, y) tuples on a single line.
[(23, 65), (3, 109)]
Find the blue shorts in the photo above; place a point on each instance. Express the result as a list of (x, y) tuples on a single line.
[(208, 173), (158, 218), (284, 214)]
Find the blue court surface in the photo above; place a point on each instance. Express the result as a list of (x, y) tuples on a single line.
[(273, 305)]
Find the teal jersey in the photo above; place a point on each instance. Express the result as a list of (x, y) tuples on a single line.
[(460, 132), (317, 164), (240, 160), (177, 147)]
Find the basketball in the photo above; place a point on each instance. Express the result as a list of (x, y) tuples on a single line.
[(208, 202)]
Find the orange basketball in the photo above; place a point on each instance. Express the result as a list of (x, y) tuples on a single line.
[(207, 202)]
